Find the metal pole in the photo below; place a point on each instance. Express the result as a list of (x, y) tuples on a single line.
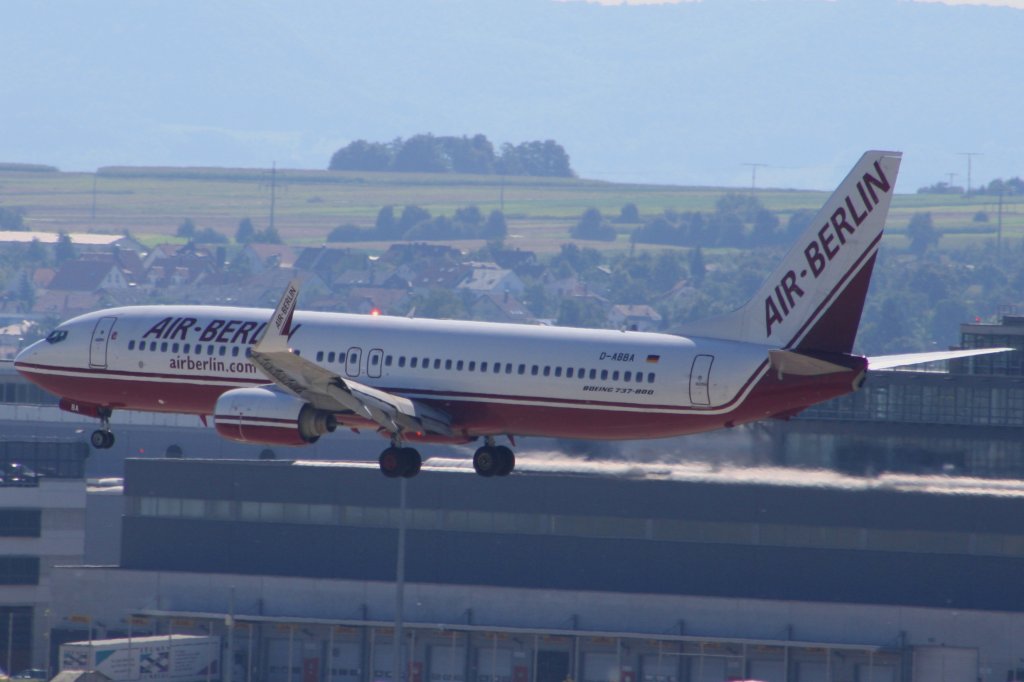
[(248, 657), (10, 639), (330, 652), (291, 643), (229, 623), (400, 586)]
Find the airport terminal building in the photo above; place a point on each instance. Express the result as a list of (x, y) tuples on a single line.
[(604, 573)]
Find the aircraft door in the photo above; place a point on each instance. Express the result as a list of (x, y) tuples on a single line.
[(700, 379), (374, 360), (100, 338), (353, 357)]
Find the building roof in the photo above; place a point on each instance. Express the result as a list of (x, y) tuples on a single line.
[(77, 238), (81, 275)]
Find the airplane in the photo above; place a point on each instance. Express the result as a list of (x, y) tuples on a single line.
[(286, 377)]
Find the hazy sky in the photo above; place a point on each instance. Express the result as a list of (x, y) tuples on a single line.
[(685, 92)]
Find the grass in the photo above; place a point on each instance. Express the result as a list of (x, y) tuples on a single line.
[(152, 202)]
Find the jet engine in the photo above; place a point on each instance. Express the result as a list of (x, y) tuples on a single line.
[(269, 416)]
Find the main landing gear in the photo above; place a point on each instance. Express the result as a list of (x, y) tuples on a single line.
[(494, 460), (103, 438), (397, 461)]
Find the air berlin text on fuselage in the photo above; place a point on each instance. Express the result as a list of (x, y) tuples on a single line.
[(831, 237), (214, 331)]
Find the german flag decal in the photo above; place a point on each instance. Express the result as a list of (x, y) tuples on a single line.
[(653, 358)]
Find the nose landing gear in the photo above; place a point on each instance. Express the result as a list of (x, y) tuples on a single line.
[(103, 438)]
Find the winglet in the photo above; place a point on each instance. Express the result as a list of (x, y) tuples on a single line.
[(275, 336)]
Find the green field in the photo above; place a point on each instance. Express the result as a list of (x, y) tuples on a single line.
[(151, 202)]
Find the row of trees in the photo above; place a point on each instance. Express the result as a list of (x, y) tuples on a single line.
[(1013, 186), (245, 234), (447, 154), (417, 224), (738, 221)]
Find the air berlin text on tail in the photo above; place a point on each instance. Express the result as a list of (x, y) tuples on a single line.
[(821, 251)]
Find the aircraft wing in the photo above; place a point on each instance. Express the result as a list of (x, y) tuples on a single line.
[(905, 359), (326, 390)]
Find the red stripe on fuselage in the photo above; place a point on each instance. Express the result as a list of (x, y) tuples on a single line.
[(482, 413)]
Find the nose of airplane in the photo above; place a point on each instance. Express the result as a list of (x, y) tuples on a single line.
[(27, 356)]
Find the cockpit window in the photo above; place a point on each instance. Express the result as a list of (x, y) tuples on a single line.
[(57, 335)]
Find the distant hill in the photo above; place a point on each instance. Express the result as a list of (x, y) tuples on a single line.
[(685, 93)]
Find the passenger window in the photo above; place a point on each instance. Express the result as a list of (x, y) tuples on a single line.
[(497, 368), (558, 371), (483, 366), (426, 363), (353, 358), (522, 369), (234, 351), (593, 374), (615, 375), (174, 347), (413, 361), (604, 375), (568, 372), (209, 349), (547, 371), (330, 356), (447, 364), (131, 344), (534, 370), (387, 361), (163, 347), (650, 377), (401, 361), (248, 352), (627, 376), (188, 348), (472, 365), (458, 365), (639, 377), (437, 363), (223, 350), (319, 356), (508, 368)]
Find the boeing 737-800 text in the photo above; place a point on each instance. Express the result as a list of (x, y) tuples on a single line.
[(285, 377)]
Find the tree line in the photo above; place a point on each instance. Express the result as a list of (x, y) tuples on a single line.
[(416, 223), (428, 153)]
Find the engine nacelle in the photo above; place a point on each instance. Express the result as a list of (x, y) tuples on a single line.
[(271, 417)]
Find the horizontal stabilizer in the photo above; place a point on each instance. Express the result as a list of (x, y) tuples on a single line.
[(906, 359)]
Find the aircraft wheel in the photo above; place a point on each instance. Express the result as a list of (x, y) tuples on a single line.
[(507, 460), (487, 462), (101, 440), (409, 462), (390, 462)]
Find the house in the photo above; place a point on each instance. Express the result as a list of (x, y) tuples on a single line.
[(488, 278), (262, 257), (330, 262), (384, 300), (642, 318), (503, 307), (84, 275), (411, 252), (66, 304), (84, 242)]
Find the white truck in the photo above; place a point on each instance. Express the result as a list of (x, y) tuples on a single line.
[(160, 658)]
